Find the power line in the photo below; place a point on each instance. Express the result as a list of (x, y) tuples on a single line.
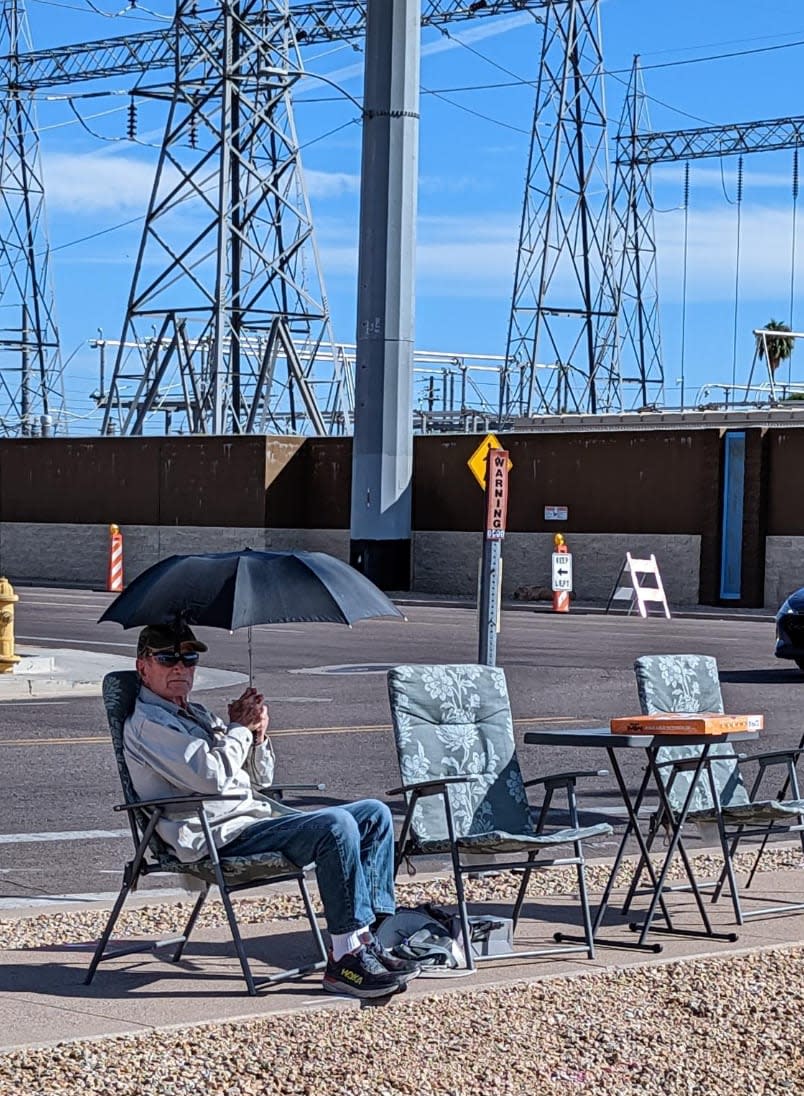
[(668, 106), (476, 113), (100, 232), (127, 13), (483, 57), (726, 42), (330, 132), (710, 57)]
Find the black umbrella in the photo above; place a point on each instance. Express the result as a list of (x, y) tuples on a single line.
[(239, 589)]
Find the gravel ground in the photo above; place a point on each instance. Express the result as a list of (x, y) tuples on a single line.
[(702, 1027), (706, 1027), (77, 926)]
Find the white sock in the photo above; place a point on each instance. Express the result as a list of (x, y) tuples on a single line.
[(344, 942)]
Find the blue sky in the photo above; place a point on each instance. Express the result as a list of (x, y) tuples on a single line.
[(474, 146)]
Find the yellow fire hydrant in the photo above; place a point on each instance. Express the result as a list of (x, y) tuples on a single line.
[(7, 599)]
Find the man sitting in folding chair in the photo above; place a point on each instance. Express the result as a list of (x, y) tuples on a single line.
[(175, 747)]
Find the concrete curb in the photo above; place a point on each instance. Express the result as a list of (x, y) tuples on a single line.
[(80, 673), (685, 612)]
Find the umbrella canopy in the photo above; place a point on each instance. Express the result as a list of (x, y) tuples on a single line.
[(239, 589)]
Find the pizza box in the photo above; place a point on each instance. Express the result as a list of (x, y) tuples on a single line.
[(682, 723)]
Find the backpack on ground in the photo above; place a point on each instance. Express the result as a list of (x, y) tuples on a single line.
[(414, 933)]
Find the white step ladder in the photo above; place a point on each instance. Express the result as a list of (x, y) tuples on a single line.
[(639, 596)]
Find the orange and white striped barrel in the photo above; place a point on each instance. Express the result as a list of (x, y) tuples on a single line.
[(114, 579), (561, 601)]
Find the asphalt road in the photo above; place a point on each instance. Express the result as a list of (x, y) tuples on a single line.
[(329, 712)]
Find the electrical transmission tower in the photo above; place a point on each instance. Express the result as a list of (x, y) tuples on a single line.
[(227, 281), (227, 325), (636, 152), (562, 331), (640, 354), (31, 384)]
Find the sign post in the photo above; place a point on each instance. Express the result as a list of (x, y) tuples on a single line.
[(491, 562)]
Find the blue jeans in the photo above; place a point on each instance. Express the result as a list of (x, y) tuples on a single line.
[(353, 851)]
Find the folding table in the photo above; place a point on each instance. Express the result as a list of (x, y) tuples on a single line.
[(603, 738)]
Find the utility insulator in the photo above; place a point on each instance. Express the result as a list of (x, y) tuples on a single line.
[(131, 128)]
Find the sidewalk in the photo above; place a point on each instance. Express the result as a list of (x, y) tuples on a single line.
[(43, 1000)]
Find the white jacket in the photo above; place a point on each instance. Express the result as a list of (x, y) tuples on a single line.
[(173, 751)]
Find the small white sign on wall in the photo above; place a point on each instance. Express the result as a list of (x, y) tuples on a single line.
[(556, 513)]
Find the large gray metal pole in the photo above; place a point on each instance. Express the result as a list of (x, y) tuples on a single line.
[(382, 463)]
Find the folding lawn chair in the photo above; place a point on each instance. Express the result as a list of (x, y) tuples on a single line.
[(151, 855), (690, 683), (464, 788)]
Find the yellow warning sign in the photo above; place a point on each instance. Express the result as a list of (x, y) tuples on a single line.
[(479, 459)]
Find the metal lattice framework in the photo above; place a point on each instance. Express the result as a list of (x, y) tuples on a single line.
[(214, 312), (640, 352), (564, 306), (636, 152), (228, 293), (322, 21), (710, 141), (227, 273), (31, 381)]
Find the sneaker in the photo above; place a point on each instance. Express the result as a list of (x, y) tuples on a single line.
[(405, 968), (361, 974)]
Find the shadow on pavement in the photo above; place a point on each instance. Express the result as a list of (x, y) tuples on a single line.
[(786, 676)]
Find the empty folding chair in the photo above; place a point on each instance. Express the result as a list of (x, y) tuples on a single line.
[(464, 788), (690, 684)]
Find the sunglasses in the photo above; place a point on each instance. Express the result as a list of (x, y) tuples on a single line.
[(173, 658)]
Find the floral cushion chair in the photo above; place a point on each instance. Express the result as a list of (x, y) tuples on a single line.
[(464, 789), (690, 683), (151, 854)]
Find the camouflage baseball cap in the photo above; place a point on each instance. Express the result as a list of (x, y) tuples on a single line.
[(159, 637)]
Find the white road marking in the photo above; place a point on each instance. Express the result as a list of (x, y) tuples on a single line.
[(65, 835), (78, 644), (29, 703), (280, 627), (63, 597), (300, 699)]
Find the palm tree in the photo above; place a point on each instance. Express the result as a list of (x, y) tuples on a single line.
[(777, 347)]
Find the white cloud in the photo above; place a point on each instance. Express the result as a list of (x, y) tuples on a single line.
[(455, 256), (91, 183), (331, 184), (765, 254)]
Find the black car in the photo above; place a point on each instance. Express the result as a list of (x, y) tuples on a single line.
[(790, 628)]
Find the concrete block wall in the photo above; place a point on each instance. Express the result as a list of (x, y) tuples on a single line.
[(78, 554), (784, 568), (443, 563), (448, 562)]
